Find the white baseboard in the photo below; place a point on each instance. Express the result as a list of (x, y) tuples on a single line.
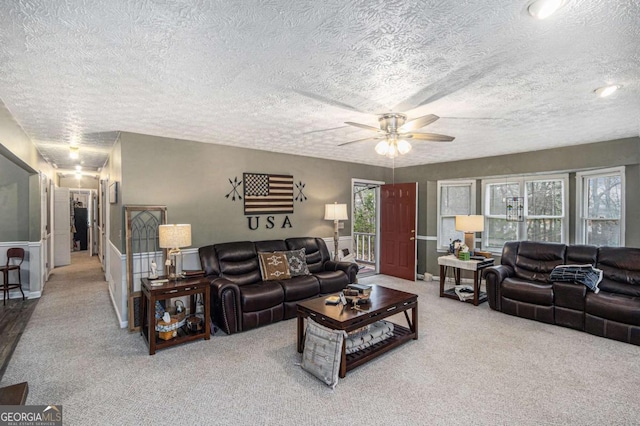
[(123, 324), (34, 295)]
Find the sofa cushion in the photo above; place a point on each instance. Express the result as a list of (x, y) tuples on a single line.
[(582, 254), (238, 262), (616, 307), (262, 295), (270, 246), (535, 261), (301, 287), (621, 270), (527, 291), (297, 262), (274, 266)]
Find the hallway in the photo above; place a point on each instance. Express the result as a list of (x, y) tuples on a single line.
[(63, 286)]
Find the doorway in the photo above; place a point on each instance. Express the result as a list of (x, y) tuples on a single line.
[(365, 226), (398, 213), (83, 221)]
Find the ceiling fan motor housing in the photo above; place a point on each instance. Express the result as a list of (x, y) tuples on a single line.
[(390, 122)]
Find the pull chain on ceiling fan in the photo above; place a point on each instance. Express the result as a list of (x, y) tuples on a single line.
[(395, 130)]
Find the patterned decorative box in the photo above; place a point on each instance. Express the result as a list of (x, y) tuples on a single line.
[(464, 255)]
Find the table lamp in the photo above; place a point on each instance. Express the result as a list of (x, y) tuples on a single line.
[(335, 212), (470, 224), (173, 237)]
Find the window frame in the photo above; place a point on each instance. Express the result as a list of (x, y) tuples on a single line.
[(471, 183), (521, 231), (582, 199)]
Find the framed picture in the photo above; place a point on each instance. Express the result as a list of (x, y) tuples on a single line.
[(113, 193)]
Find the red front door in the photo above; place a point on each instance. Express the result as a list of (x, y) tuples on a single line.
[(398, 230)]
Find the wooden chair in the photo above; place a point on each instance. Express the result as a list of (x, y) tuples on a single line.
[(13, 255)]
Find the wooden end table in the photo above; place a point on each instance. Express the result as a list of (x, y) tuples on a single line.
[(385, 302), (173, 288), (476, 266)]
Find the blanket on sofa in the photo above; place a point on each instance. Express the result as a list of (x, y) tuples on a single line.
[(583, 274)]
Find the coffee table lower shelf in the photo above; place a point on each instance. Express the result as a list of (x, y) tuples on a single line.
[(400, 336)]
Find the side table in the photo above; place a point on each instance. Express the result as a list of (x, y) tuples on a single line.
[(476, 266), (173, 288)]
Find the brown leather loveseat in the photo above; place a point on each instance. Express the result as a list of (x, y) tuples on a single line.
[(520, 286), (241, 300)]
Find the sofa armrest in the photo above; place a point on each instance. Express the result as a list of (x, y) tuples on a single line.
[(494, 276), (349, 268), (225, 305)]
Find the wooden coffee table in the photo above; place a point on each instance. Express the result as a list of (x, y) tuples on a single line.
[(385, 302)]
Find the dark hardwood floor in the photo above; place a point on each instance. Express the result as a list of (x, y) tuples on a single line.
[(14, 317)]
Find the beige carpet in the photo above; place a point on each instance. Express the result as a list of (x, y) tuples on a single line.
[(470, 366)]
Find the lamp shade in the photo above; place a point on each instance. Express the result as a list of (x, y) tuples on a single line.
[(335, 212), (175, 236), (470, 223)]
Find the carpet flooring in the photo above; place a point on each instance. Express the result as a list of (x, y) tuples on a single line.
[(471, 365)]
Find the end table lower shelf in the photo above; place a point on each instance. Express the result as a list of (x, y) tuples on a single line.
[(169, 290)]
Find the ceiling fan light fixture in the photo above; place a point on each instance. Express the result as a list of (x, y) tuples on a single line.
[(403, 146), (542, 9), (382, 148), (605, 91), (393, 151)]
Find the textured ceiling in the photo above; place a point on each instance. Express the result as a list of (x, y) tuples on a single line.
[(284, 75)]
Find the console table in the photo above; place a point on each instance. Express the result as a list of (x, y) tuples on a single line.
[(476, 266), (168, 290)]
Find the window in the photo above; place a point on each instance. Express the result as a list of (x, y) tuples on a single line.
[(600, 205), (545, 210), (454, 198)]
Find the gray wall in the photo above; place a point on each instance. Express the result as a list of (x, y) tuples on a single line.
[(14, 201), (622, 152), (192, 180), (116, 215)]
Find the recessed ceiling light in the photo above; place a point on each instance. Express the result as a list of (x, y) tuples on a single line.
[(542, 9), (78, 168), (605, 91)]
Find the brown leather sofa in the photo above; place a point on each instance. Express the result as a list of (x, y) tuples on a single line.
[(520, 286), (241, 300)]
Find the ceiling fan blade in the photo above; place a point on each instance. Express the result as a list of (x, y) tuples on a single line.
[(418, 123), (433, 137), (324, 130), (361, 140), (363, 126)]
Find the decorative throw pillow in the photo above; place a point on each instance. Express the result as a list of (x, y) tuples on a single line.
[(274, 266), (323, 352), (297, 262)]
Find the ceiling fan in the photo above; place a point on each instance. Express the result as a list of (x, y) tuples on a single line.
[(395, 131)]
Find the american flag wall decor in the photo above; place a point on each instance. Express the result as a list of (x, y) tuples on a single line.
[(267, 194)]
